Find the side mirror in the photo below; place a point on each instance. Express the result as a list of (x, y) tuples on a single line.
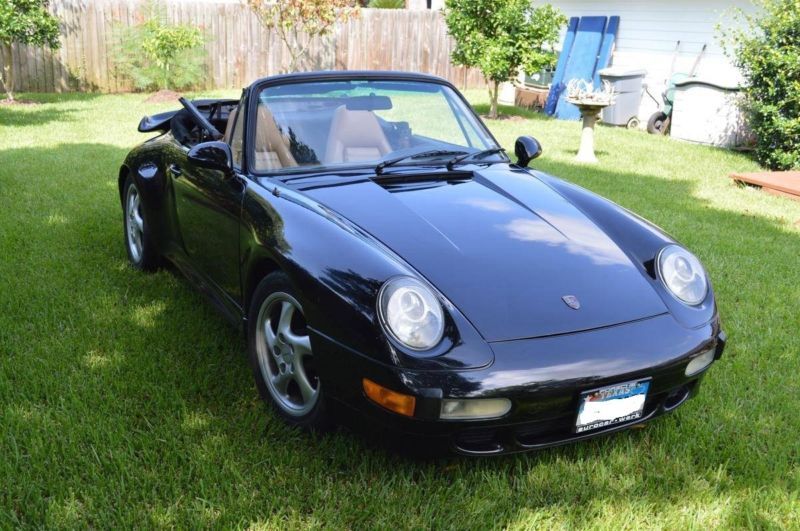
[(213, 155), (526, 149)]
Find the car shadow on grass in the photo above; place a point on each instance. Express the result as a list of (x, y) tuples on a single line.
[(131, 398)]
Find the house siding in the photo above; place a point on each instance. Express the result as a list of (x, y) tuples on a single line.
[(423, 4)]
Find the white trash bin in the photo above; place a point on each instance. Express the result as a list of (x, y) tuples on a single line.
[(709, 112)]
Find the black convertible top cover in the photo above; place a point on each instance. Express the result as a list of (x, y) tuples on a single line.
[(161, 121)]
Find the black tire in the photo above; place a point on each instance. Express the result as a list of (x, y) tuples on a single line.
[(138, 239), (633, 123), (266, 311), (658, 123)]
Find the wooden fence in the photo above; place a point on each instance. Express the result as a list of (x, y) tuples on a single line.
[(238, 49)]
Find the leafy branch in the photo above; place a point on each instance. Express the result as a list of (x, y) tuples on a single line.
[(292, 18)]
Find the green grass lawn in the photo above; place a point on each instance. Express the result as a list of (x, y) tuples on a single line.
[(125, 400)]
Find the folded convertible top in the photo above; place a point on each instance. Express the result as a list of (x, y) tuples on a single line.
[(161, 121)]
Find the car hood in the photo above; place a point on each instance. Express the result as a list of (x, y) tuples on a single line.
[(504, 248)]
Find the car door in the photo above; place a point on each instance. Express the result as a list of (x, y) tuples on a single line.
[(208, 208)]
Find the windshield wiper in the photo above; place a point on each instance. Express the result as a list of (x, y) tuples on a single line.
[(478, 155), (422, 155)]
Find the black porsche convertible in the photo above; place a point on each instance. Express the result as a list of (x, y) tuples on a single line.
[(389, 263)]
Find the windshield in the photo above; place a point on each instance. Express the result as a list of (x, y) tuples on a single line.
[(357, 123)]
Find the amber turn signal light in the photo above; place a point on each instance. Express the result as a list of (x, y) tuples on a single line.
[(391, 400)]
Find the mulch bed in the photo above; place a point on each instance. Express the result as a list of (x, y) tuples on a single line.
[(163, 96)]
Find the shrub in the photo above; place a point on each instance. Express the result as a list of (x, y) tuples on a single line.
[(501, 36), (767, 49), (24, 22), (157, 55)]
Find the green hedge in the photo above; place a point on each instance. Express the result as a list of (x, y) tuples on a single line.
[(768, 52)]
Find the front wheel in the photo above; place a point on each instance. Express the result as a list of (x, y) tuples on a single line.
[(283, 363), (138, 240)]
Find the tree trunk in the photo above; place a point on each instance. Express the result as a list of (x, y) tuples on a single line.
[(8, 71), (297, 52), (289, 67), (494, 90), (292, 64)]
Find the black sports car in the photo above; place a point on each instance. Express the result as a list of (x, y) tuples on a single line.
[(389, 263)]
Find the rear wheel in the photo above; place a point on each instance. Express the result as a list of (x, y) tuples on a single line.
[(138, 240), (279, 347), (658, 123)]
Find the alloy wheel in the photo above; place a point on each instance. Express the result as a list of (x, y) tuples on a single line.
[(134, 224), (284, 355)]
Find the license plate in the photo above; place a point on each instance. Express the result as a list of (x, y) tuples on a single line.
[(611, 405)]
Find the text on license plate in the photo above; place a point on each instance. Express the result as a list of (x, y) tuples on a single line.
[(610, 405)]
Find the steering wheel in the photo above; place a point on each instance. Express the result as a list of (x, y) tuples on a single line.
[(200, 119)]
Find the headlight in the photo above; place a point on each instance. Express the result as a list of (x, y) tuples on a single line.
[(682, 274), (411, 313)]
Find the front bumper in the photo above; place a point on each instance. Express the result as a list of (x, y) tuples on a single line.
[(543, 378)]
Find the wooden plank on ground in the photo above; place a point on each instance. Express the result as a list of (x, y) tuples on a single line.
[(785, 183)]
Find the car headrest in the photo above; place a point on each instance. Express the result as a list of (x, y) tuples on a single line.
[(369, 103)]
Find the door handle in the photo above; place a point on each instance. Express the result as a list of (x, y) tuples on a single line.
[(174, 169)]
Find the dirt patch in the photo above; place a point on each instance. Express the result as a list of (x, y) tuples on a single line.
[(9, 103), (163, 96)]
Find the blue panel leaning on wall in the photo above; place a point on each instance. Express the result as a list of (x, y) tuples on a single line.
[(607, 48), (582, 61), (587, 48), (557, 86)]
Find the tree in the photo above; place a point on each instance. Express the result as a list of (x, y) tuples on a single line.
[(24, 22), (163, 44), (156, 54), (291, 18), (501, 36), (767, 49)]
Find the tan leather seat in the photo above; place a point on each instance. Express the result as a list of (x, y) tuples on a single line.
[(236, 145), (355, 136), (272, 146), (229, 126)]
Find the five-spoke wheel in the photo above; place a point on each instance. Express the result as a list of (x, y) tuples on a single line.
[(134, 223), (284, 354), (141, 251), (281, 354)]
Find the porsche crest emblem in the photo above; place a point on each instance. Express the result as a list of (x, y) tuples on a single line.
[(572, 301)]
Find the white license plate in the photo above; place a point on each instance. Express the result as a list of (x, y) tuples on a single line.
[(615, 404)]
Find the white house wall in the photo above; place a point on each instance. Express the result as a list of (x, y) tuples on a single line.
[(649, 31), (423, 4)]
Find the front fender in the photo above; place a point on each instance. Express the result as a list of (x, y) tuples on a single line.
[(338, 270)]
